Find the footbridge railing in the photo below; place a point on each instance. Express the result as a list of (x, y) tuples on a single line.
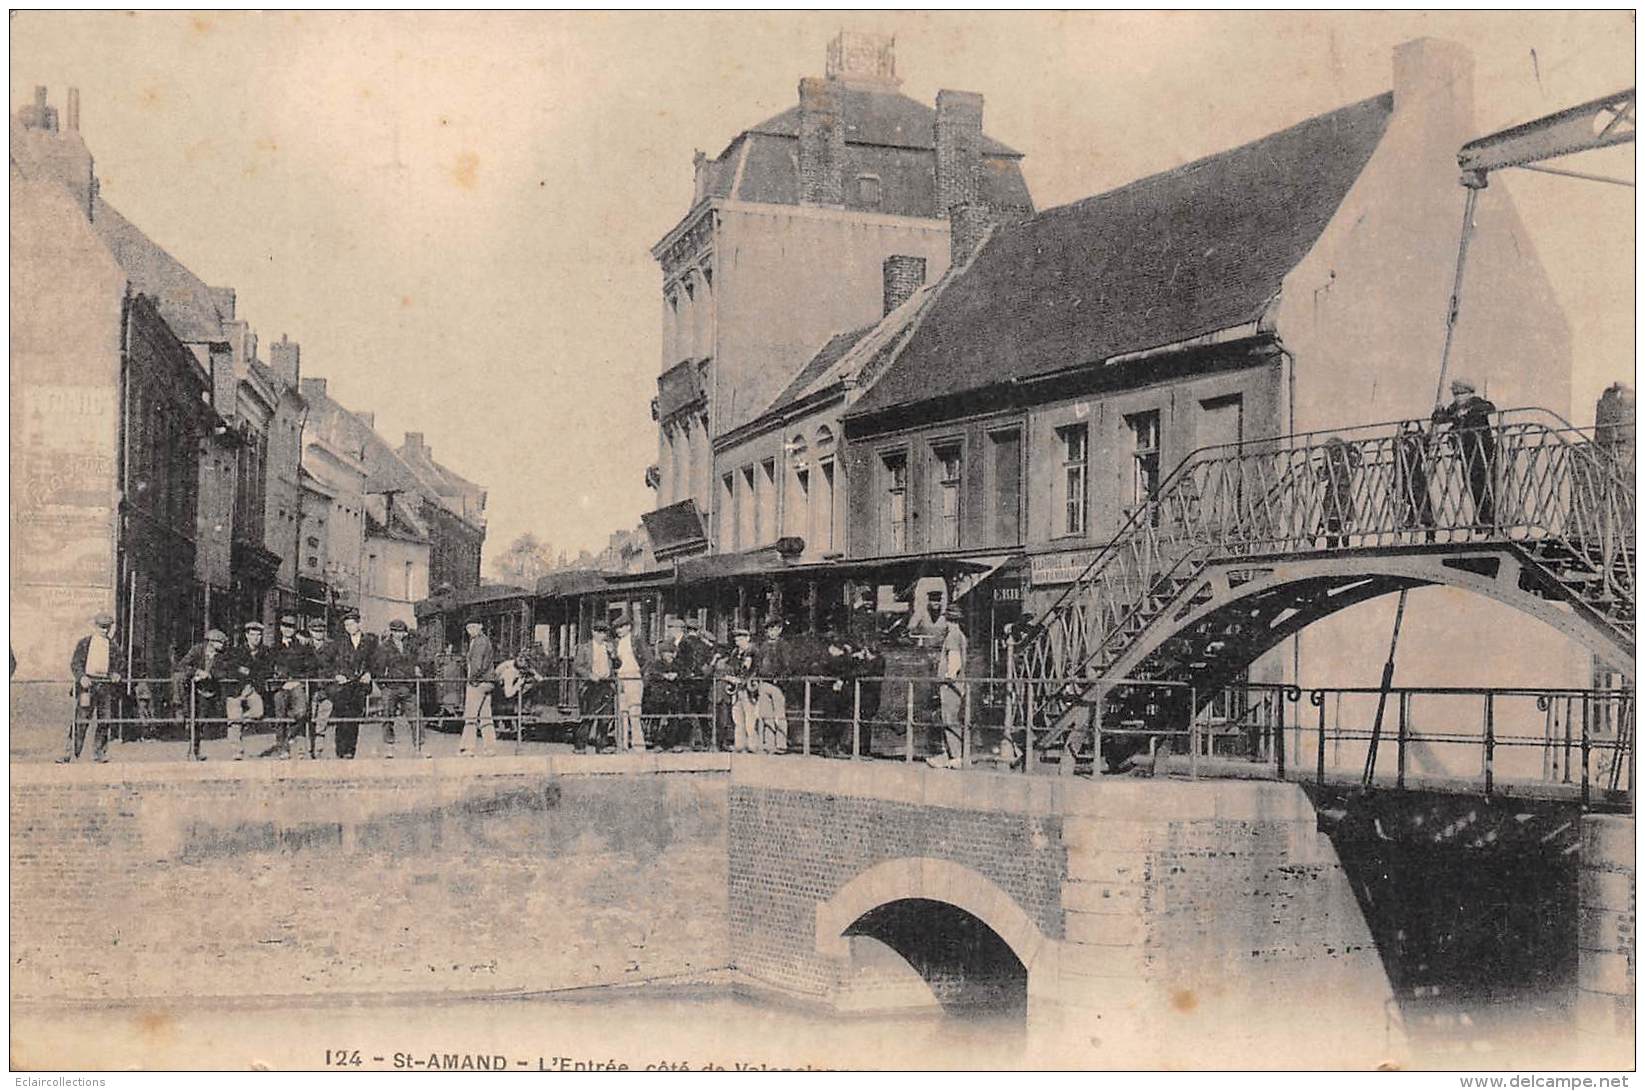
[(1559, 494)]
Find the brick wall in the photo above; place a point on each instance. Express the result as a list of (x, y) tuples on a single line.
[(793, 848), (306, 880)]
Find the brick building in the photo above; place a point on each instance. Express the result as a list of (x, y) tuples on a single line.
[(1297, 283), (805, 206), (112, 346)]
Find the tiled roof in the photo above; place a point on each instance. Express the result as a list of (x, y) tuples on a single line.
[(1192, 251), (818, 366), (183, 298), (879, 116)]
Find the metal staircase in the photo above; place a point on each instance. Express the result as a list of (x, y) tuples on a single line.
[(1557, 502)]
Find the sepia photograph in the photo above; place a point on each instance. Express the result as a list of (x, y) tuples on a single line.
[(858, 540)]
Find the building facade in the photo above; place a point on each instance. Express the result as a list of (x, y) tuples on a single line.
[(806, 206), (1295, 284)]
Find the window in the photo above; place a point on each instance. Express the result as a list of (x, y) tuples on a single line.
[(766, 528), (895, 530), (823, 524), (725, 528), (1075, 464), (945, 531), (1144, 456), (868, 190), (745, 511)]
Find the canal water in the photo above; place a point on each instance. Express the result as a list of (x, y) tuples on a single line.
[(693, 1027)]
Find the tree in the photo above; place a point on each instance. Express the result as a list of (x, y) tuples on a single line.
[(524, 562)]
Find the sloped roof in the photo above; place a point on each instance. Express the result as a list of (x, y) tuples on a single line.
[(1188, 252), (879, 115), (818, 366), (183, 298)]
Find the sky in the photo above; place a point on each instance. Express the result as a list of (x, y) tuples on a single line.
[(453, 212)]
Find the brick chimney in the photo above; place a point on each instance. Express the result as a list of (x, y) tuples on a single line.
[(44, 152), (903, 276), (314, 390), (959, 149), (414, 446), (285, 359), (860, 58), (968, 224), (822, 143)]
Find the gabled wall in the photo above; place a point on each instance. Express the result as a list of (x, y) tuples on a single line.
[(1364, 316)]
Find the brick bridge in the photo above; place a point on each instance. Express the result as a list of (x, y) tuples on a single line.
[(1129, 922)]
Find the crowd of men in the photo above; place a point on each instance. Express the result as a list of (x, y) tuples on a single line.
[(687, 692)]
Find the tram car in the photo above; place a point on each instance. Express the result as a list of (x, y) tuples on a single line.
[(888, 607)]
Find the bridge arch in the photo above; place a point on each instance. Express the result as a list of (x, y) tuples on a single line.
[(926, 884), (1279, 596)]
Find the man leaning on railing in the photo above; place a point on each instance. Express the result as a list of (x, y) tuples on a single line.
[(93, 668), (1469, 417)]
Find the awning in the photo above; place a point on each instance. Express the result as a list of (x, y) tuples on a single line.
[(720, 565), (967, 582)]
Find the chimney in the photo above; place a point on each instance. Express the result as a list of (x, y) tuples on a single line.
[(699, 175), (414, 446), (822, 143), (74, 110), (968, 224), (860, 58), (50, 154), (224, 383), (1434, 96), (223, 300), (959, 149), (1614, 427), (285, 358), (314, 390), (367, 419), (903, 277)]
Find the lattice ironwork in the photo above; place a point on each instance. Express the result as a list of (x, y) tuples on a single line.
[(1563, 499)]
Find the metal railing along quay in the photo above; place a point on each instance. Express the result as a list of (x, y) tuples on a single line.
[(1582, 738)]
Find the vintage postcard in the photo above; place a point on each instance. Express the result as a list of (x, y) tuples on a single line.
[(572, 541)]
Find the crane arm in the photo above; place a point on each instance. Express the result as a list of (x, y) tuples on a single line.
[(1597, 124)]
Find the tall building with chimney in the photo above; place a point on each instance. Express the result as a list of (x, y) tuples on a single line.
[(786, 245)]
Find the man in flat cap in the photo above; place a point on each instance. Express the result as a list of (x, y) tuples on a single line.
[(291, 669), (202, 677), (250, 663), (320, 692), (95, 668), (593, 666), (480, 678), (695, 654), (397, 671), (348, 662), (631, 660), (1473, 435)]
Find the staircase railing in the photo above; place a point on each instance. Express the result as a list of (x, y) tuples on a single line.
[(1531, 478)]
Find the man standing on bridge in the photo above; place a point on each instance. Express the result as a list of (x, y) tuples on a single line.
[(1469, 416)]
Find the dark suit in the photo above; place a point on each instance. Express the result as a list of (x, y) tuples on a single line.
[(293, 665), (352, 662), (696, 660), (399, 665), (596, 697), (203, 699), (1475, 441), (96, 699)]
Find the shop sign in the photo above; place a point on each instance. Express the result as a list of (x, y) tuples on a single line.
[(1050, 568)]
